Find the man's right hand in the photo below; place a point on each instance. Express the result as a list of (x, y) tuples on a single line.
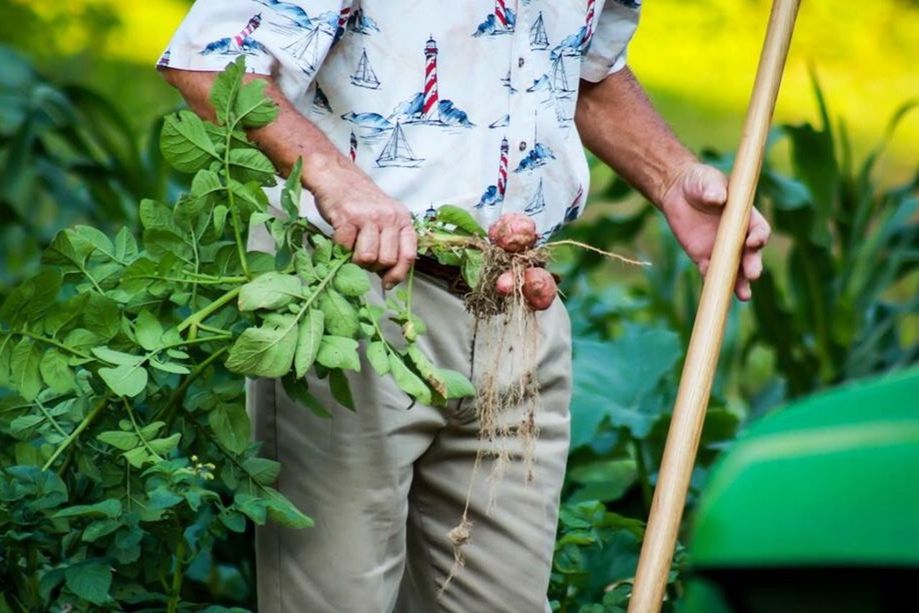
[(375, 227)]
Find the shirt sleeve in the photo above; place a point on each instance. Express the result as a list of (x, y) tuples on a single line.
[(613, 30), (292, 36)]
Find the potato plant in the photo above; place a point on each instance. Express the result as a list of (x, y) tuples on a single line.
[(124, 434)]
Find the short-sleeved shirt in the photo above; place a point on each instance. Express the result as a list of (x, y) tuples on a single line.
[(465, 102)]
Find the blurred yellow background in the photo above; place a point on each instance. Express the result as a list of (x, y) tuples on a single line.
[(697, 59)]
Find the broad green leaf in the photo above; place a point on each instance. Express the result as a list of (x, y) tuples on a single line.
[(230, 424), (271, 290), (458, 386), (341, 317), (24, 365), (323, 249), (163, 446), (283, 511), (184, 142), (253, 507), (303, 263), (338, 352), (102, 316), (341, 389), (24, 423), (351, 280), (308, 341), (155, 215), (125, 245), (472, 267), (137, 457), (56, 372), (96, 238), (267, 351), (119, 439), (263, 470), (117, 357), (378, 357), (253, 107), (225, 89), (110, 507), (31, 299), (98, 529), (408, 381), (124, 379), (148, 330), (610, 383), (170, 367), (90, 580), (290, 195), (250, 165), (460, 218)]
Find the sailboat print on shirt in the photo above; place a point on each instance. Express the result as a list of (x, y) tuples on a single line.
[(537, 203), (363, 75), (361, 24), (538, 155), (397, 152), (538, 38), (310, 37)]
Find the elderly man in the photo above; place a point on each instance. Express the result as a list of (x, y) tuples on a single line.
[(396, 107)]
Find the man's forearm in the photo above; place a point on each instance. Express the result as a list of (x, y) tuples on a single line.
[(289, 137), (619, 125)]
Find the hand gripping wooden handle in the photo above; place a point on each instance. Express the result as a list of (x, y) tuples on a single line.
[(708, 329)]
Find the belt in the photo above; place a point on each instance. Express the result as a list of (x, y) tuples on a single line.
[(450, 277)]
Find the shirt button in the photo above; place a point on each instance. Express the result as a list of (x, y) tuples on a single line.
[(522, 146), (520, 62)]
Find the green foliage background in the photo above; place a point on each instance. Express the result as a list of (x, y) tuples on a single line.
[(838, 299)]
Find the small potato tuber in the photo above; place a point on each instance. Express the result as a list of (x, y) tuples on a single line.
[(539, 288), (513, 232), (505, 283)]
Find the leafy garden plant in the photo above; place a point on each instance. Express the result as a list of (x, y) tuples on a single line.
[(125, 438)]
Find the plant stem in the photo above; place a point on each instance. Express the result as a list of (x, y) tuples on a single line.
[(93, 413), (51, 341), (204, 313), (177, 577), (642, 468)]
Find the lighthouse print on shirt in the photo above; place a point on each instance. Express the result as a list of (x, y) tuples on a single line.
[(439, 102)]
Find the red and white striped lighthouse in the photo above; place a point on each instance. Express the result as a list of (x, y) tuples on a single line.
[(429, 107), (501, 12), (589, 22), (353, 147), (251, 27), (502, 170)]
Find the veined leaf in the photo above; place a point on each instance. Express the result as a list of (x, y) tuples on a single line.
[(271, 290), (267, 351), (90, 580), (351, 280), (253, 107), (338, 352), (341, 389), (24, 364), (184, 142), (124, 379), (378, 357), (460, 218), (225, 89), (231, 426), (341, 317), (308, 341), (251, 165), (408, 381)]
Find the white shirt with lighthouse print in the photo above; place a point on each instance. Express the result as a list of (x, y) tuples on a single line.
[(464, 102)]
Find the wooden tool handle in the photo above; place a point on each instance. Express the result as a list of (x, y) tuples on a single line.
[(708, 329)]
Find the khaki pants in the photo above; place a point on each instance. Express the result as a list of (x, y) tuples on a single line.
[(386, 483)]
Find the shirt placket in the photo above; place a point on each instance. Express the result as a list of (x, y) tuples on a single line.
[(523, 110)]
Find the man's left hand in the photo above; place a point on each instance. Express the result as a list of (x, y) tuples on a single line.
[(693, 203)]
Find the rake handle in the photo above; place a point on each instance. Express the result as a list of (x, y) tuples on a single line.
[(708, 329)]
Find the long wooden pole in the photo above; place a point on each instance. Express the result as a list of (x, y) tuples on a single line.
[(708, 329)]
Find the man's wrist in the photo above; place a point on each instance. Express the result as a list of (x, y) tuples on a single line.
[(323, 172)]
